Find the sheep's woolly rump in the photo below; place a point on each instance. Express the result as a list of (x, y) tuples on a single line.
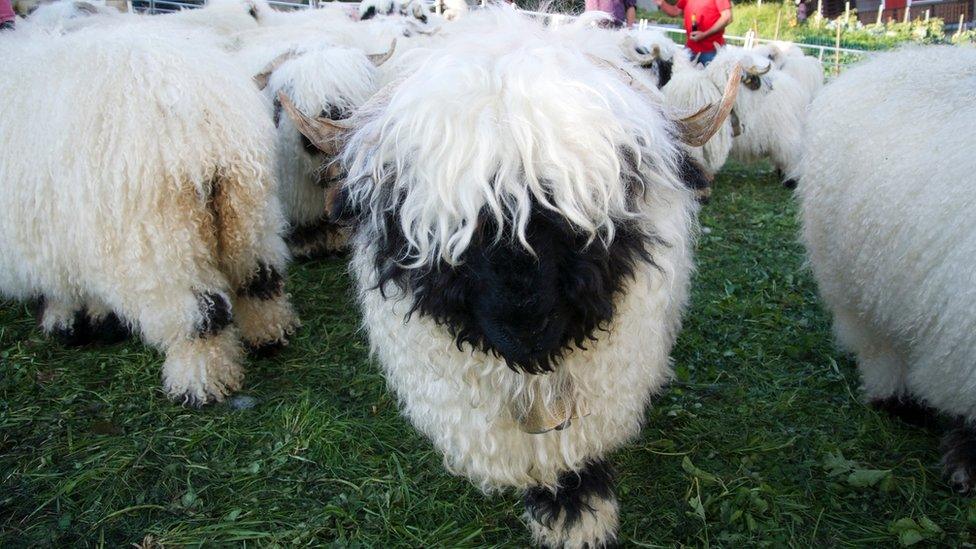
[(888, 223), (771, 116), (888, 228), (70, 15), (504, 130), (150, 193)]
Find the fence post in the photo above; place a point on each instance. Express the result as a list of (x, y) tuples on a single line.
[(779, 15), (908, 13), (847, 13), (837, 53), (926, 16), (962, 21), (880, 11), (152, 7)]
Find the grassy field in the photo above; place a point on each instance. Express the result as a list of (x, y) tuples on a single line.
[(761, 440)]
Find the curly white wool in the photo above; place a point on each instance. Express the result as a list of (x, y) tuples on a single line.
[(106, 194), (887, 221), (499, 129)]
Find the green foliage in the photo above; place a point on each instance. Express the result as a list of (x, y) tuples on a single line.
[(761, 440), (820, 31)]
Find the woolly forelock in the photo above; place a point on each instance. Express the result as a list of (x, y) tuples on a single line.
[(153, 119), (887, 222), (492, 126)]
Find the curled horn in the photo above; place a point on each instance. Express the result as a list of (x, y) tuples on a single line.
[(753, 71), (697, 129), (261, 78), (638, 54), (380, 58), (321, 131)]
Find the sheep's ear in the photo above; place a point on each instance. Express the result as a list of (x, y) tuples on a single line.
[(380, 58), (697, 129), (261, 78), (321, 131)]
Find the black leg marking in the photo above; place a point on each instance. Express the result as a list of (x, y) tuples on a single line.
[(78, 334), (215, 313), (790, 184), (910, 410), (265, 284), (312, 241), (572, 499), (959, 457)]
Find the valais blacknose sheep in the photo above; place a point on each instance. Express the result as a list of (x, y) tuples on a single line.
[(770, 110), (522, 251), (149, 195), (323, 80), (887, 213), (789, 58)]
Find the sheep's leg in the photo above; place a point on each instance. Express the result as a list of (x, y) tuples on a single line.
[(318, 239), (195, 328), (581, 512), (106, 327), (64, 319), (959, 456), (253, 257), (262, 311)]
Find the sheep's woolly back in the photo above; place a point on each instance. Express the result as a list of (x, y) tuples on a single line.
[(501, 113), (151, 118), (887, 209), (69, 15), (223, 17)]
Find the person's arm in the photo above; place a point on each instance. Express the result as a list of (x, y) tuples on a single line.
[(631, 15), (669, 9), (724, 18)]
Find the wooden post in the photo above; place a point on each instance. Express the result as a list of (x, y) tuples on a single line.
[(880, 12), (926, 16), (819, 8), (847, 13), (759, 3), (962, 22), (908, 13), (837, 53), (779, 15)]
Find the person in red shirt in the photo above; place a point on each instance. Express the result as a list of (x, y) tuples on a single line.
[(6, 15), (705, 22)]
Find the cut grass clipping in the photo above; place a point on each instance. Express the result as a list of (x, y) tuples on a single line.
[(760, 440)]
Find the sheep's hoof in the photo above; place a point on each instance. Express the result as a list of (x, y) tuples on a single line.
[(77, 334), (109, 330), (790, 184), (909, 410), (582, 512), (267, 349), (959, 458)]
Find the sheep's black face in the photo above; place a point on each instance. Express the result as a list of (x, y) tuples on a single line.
[(527, 309), (663, 69)]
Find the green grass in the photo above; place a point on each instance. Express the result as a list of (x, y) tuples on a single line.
[(761, 439)]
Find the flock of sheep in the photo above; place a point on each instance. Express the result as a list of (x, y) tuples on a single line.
[(520, 200)]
